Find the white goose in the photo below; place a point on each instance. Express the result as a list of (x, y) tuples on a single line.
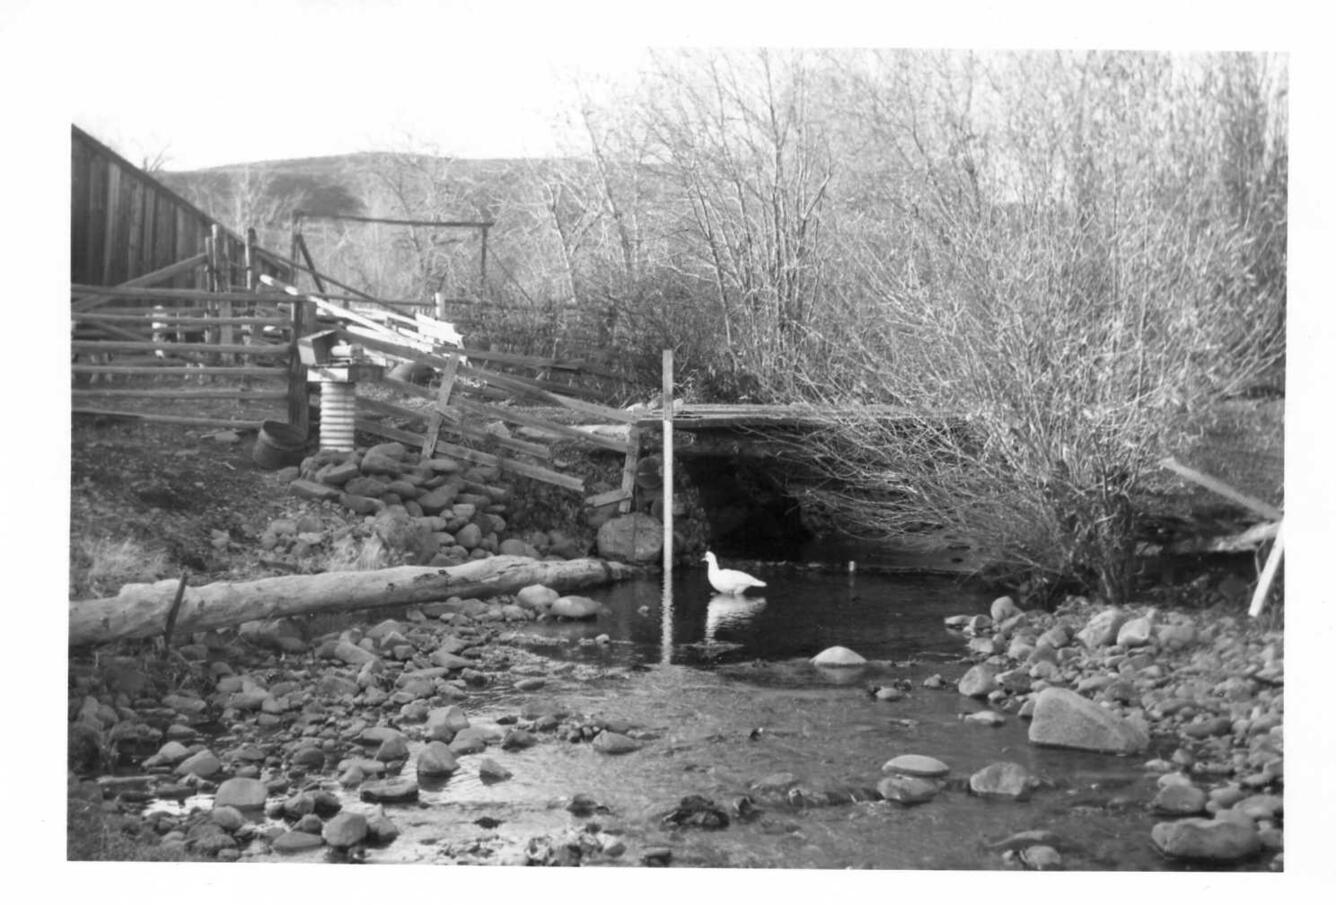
[(729, 581)]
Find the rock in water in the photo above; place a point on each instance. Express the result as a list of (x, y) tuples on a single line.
[(343, 830), (240, 792), (390, 791), (838, 656), (1200, 839), (1002, 780), (1064, 719), (907, 789), (915, 765), (1003, 608), (615, 743), (978, 681), (633, 538), (575, 607), (436, 759)]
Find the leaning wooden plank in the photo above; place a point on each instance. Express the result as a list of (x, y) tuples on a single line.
[(448, 377), (1268, 574), (518, 417), (611, 496), (1266, 510), (629, 469), (536, 472), (239, 424), (453, 426), (165, 273), (140, 610)]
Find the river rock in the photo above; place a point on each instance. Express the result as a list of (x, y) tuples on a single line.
[(352, 654), (380, 828), (615, 743), (838, 656), (907, 789), (241, 792), (1102, 628), (296, 841), (1200, 839), (633, 538), (978, 681), (343, 830), (536, 597), (203, 764), (469, 741), (436, 759), (1179, 800), (389, 791), (575, 607), (1002, 780), (490, 771), (1041, 857), (1002, 609), (1062, 718), (444, 722), (1137, 632), (916, 765)]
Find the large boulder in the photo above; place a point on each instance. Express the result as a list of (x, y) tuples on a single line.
[(1064, 719), (1200, 839), (633, 538)]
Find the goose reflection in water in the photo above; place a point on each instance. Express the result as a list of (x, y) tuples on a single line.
[(730, 611)]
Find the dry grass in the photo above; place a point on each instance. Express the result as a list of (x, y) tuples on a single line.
[(100, 566)]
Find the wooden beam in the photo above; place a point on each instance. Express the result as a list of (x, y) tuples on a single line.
[(168, 419), (629, 468), (448, 376), (94, 345), (1268, 573), (455, 427), (516, 417), (607, 497), (165, 273), (180, 393), (173, 369), (167, 294), (1264, 509)]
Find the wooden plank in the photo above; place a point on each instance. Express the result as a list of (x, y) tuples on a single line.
[(179, 348), (182, 392), (667, 392), (629, 469), (607, 498), (455, 427), (113, 235), (169, 419), (135, 246), (79, 162), (95, 248), (562, 430), (299, 396), (160, 275), (149, 318), (1266, 510), (1268, 574), (472, 455), (169, 368), (448, 376)]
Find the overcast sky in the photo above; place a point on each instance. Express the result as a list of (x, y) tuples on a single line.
[(214, 83)]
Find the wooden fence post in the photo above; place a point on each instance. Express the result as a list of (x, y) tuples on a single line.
[(667, 464)]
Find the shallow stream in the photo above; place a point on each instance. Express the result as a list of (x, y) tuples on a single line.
[(723, 695)]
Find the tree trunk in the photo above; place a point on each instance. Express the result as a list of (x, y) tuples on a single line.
[(140, 610)]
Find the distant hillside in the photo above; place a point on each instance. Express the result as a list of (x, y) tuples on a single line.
[(371, 183)]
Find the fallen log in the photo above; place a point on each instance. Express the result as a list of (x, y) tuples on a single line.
[(141, 610)]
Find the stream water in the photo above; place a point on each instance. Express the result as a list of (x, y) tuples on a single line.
[(724, 690)]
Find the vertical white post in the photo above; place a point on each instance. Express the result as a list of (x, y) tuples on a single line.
[(667, 464)]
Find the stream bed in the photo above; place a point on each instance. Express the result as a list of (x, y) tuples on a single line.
[(724, 703)]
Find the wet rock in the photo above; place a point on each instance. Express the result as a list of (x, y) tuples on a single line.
[(380, 828), (633, 538), (697, 811), (344, 830), (986, 718), (1041, 857), (444, 722), (1180, 800), (240, 792), (530, 684), (352, 654), (916, 765), (389, 791), (839, 657), (309, 823), (1025, 839), (203, 764), (490, 771), (656, 856), (227, 817), (1002, 780), (436, 759), (615, 743), (536, 597), (517, 740), (575, 607), (294, 841), (469, 741), (1200, 839), (392, 748), (978, 681), (907, 789), (1062, 718), (1261, 807)]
